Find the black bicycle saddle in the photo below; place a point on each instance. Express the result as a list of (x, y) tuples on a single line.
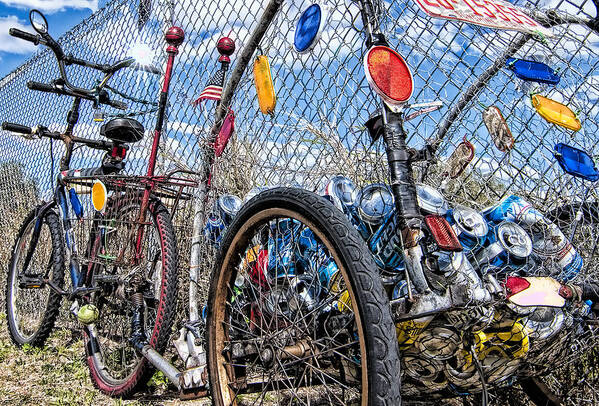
[(126, 130)]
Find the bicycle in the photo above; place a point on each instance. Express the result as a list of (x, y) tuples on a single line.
[(297, 303), (123, 286)]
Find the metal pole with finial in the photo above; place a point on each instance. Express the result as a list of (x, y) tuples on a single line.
[(225, 47), (174, 37)]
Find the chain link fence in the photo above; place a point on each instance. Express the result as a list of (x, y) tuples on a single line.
[(318, 128)]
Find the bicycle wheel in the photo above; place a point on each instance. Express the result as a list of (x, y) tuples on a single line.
[(31, 305), (574, 380), (297, 314), (116, 368)]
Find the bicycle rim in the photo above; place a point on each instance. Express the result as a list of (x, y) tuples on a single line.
[(287, 336)]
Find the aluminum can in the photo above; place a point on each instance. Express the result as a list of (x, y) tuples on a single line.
[(282, 246), (430, 200), (508, 245), (549, 243), (342, 192), (385, 245), (374, 205), (214, 228), (314, 258), (470, 227), (227, 207)]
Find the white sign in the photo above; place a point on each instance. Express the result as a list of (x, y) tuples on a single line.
[(489, 13)]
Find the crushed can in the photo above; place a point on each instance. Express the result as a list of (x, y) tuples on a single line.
[(550, 246), (508, 245), (374, 205), (470, 227)]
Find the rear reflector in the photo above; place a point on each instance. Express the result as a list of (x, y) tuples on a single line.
[(515, 284), (388, 75), (443, 234)]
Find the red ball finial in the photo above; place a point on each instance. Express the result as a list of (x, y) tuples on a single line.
[(225, 46), (174, 36)]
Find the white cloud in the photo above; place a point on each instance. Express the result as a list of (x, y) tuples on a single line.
[(11, 44), (52, 6)]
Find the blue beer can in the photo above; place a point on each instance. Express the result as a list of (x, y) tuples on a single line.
[(508, 245), (550, 246), (470, 227), (283, 245), (214, 228), (315, 259), (385, 245), (374, 205)]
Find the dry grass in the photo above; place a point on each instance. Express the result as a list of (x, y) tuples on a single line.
[(57, 375)]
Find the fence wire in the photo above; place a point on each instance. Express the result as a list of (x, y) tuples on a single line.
[(318, 128)]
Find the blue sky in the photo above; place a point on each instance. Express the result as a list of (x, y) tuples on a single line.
[(61, 15)]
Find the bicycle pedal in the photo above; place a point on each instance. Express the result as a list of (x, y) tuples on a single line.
[(26, 282), (88, 314)]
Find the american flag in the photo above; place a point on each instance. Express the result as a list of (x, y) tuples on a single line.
[(214, 88)]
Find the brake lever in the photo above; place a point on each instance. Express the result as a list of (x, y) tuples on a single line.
[(426, 108)]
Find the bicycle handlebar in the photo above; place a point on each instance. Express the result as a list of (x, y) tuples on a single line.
[(27, 36), (102, 96), (43, 132), (42, 87), (17, 128), (63, 60)]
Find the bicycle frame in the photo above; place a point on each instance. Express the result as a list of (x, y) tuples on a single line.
[(61, 202)]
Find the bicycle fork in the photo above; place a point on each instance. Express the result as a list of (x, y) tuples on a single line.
[(412, 231)]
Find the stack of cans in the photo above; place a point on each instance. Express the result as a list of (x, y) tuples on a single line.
[(549, 245), (225, 208)]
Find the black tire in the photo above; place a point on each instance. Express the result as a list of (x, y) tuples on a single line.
[(116, 368), (575, 379), (347, 327), (32, 311)]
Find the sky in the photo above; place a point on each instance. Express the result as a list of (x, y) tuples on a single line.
[(61, 15)]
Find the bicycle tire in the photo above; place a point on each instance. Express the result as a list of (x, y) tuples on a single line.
[(112, 326), (49, 253), (369, 326)]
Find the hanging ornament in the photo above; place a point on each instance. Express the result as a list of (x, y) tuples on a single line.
[(459, 159), (225, 133), (532, 71), (144, 9), (309, 28), (264, 86), (576, 162), (498, 129), (555, 112)]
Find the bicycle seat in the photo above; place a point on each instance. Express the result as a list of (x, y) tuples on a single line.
[(125, 130)]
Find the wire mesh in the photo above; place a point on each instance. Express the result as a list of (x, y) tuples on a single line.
[(318, 131)]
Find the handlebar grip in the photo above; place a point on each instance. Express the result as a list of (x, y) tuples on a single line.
[(17, 128), (42, 87), (27, 36)]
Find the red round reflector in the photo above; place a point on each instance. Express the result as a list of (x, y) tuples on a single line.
[(388, 74)]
